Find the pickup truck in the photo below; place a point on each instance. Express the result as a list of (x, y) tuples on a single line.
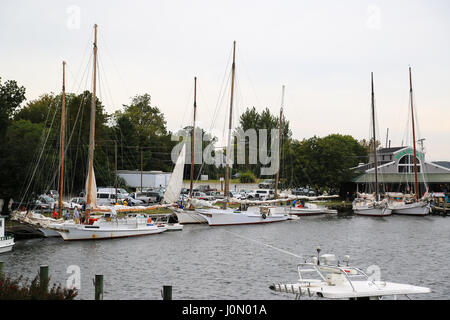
[(267, 184)]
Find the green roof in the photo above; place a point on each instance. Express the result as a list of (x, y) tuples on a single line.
[(402, 178)]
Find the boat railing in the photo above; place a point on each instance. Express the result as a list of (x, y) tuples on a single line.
[(7, 237), (322, 270)]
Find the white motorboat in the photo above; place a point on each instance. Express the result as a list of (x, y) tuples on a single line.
[(6, 241), (167, 221), (253, 215), (332, 281), (109, 226)]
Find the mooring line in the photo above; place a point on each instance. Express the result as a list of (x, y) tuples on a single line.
[(264, 244)]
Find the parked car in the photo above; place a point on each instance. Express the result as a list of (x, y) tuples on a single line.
[(205, 188), (112, 190), (303, 192), (54, 194), (267, 184), (44, 203), (130, 201), (261, 194), (105, 198), (76, 202), (235, 194), (202, 196), (244, 193), (147, 196)]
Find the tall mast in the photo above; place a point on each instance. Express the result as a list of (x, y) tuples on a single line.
[(374, 141), (92, 129), (63, 127), (227, 167), (193, 139), (115, 166), (279, 143), (414, 136)]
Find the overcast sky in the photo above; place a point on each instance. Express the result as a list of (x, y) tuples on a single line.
[(323, 51)]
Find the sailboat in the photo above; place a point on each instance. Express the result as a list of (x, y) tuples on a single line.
[(109, 225), (41, 222), (188, 215), (368, 204), (412, 205), (48, 232), (228, 216)]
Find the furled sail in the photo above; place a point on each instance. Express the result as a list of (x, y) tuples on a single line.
[(173, 189), (93, 195)]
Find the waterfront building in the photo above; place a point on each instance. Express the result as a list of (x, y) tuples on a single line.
[(396, 165)]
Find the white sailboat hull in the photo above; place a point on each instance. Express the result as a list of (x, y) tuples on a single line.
[(104, 231), (373, 212), (189, 217), (310, 211), (413, 209), (230, 217), (49, 232)]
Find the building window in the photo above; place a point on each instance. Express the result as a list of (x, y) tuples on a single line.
[(406, 164)]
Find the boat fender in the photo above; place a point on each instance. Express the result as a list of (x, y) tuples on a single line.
[(264, 216), (149, 220)]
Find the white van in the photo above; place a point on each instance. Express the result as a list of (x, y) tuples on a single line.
[(261, 194), (113, 191)]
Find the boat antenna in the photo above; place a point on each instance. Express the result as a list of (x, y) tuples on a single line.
[(227, 167), (63, 124), (416, 184)]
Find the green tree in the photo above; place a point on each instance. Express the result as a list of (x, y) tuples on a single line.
[(11, 97), (324, 162)]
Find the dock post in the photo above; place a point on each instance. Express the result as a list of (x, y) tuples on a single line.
[(43, 277), (98, 283), (2, 264), (167, 293)]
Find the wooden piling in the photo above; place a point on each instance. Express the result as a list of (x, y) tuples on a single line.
[(98, 283), (167, 293), (43, 276)]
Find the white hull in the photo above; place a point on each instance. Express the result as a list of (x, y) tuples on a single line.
[(173, 227), (310, 212), (108, 230), (49, 232), (6, 245), (189, 217), (413, 209), (373, 212), (229, 217)]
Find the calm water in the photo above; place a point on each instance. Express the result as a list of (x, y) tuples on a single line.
[(203, 262)]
